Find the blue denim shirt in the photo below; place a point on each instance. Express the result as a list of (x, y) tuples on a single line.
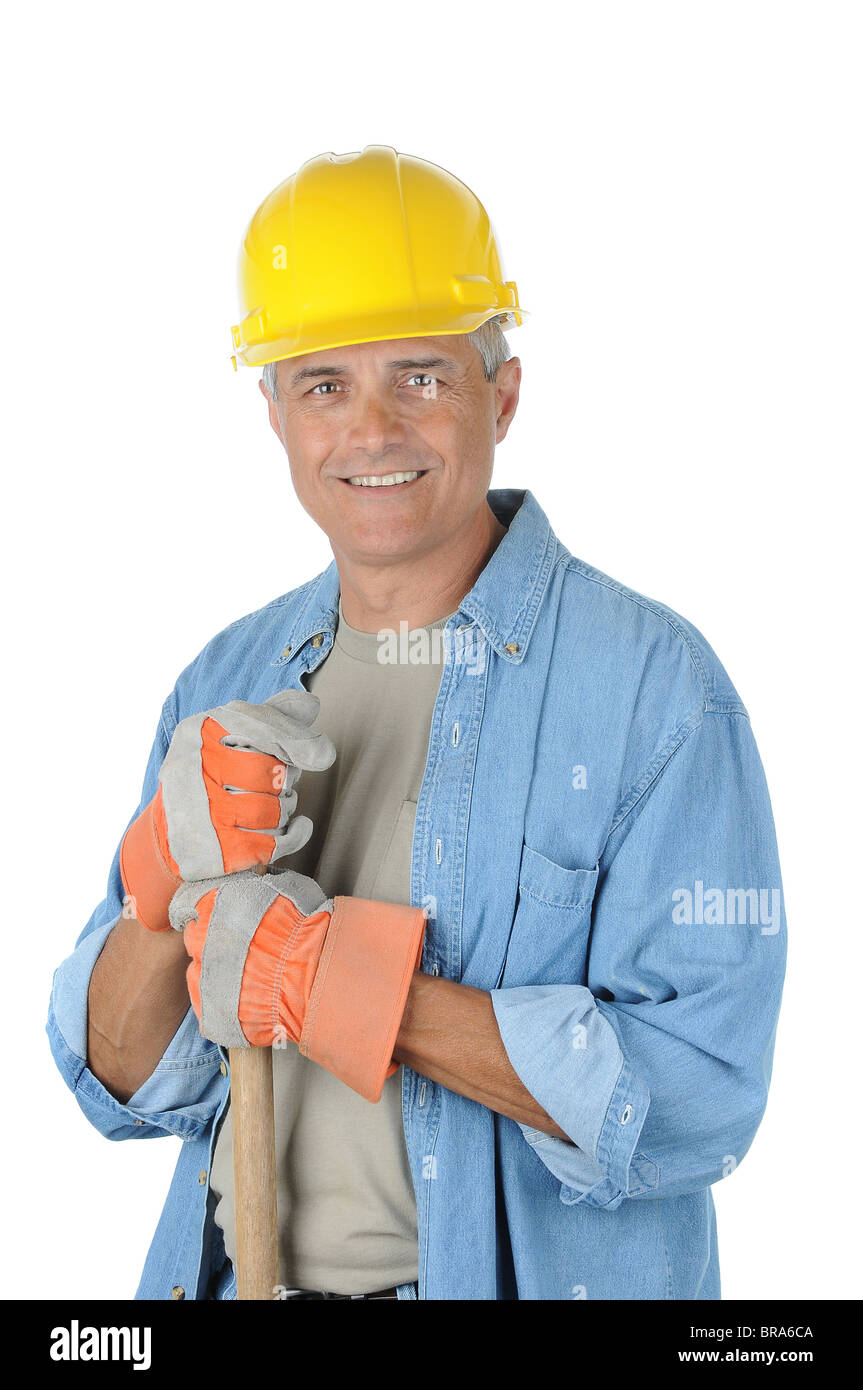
[(595, 845)]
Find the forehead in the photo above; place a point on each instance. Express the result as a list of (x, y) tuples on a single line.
[(390, 354)]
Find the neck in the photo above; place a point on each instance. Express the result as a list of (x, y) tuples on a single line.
[(417, 589)]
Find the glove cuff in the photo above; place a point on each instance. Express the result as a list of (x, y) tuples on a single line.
[(360, 990), (288, 944), (146, 876)]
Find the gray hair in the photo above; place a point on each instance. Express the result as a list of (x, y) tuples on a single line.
[(489, 340)]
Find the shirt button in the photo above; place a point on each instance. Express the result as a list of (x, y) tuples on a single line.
[(286, 651), (511, 647), (138, 1122), (318, 640), (223, 1069), (627, 1115), (178, 1291), (202, 1177)]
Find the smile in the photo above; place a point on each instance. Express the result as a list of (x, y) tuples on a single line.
[(383, 480)]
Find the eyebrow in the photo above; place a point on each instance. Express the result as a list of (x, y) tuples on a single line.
[(399, 364)]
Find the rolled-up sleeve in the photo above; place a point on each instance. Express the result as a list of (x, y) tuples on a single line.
[(658, 1068), (182, 1094)]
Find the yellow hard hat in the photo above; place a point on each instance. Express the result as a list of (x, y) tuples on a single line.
[(355, 248)]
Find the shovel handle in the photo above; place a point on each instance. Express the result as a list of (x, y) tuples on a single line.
[(254, 1172)]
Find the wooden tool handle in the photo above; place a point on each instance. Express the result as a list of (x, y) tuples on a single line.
[(254, 1172)]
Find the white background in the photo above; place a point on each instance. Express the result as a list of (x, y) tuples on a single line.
[(676, 189)]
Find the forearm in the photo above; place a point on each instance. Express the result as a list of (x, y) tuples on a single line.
[(449, 1034), (137, 1000)]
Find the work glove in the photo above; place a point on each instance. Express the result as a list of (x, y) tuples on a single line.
[(272, 959), (226, 799)]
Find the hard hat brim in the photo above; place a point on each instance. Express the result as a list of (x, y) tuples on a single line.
[(280, 349)]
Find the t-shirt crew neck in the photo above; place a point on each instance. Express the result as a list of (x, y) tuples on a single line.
[(376, 646)]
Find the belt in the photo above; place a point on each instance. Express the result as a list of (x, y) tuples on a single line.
[(324, 1293)]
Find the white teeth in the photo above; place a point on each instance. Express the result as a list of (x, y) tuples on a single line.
[(389, 480)]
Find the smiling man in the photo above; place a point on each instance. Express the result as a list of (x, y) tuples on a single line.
[(391, 448), (506, 1066)]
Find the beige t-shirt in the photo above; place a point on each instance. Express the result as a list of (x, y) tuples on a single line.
[(347, 1210)]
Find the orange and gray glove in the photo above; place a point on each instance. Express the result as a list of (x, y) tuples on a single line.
[(226, 799), (273, 959)]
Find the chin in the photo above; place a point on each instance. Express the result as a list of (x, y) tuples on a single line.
[(383, 542)]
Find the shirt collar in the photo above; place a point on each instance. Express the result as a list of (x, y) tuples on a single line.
[(504, 602), (506, 598)]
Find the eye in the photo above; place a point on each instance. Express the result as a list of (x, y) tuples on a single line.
[(320, 388), (425, 382)]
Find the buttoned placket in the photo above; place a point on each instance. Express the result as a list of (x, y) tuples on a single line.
[(437, 878)]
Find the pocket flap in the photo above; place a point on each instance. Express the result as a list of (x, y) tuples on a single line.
[(553, 884)]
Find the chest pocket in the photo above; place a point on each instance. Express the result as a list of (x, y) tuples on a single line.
[(551, 926)]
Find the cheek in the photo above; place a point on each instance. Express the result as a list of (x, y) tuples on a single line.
[(471, 425), (307, 446), (449, 435), (304, 422), (468, 442)]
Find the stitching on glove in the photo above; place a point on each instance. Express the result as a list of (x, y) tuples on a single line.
[(320, 977), (279, 976)]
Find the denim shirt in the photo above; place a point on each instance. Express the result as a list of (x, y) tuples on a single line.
[(594, 845)]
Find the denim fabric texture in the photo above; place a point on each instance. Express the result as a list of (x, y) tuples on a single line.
[(594, 845)]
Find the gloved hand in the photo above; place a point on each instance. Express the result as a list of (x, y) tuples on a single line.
[(272, 958), (226, 799)]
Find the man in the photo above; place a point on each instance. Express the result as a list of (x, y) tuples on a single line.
[(532, 783)]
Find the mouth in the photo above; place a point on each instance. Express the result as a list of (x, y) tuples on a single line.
[(391, 482)]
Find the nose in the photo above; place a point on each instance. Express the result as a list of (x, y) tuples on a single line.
[(375, 422)]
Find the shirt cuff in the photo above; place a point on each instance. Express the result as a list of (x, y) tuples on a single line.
[(181, 1095), (567, 1054)]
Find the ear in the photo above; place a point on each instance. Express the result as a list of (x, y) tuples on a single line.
[(507, 384), (272, 410)]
